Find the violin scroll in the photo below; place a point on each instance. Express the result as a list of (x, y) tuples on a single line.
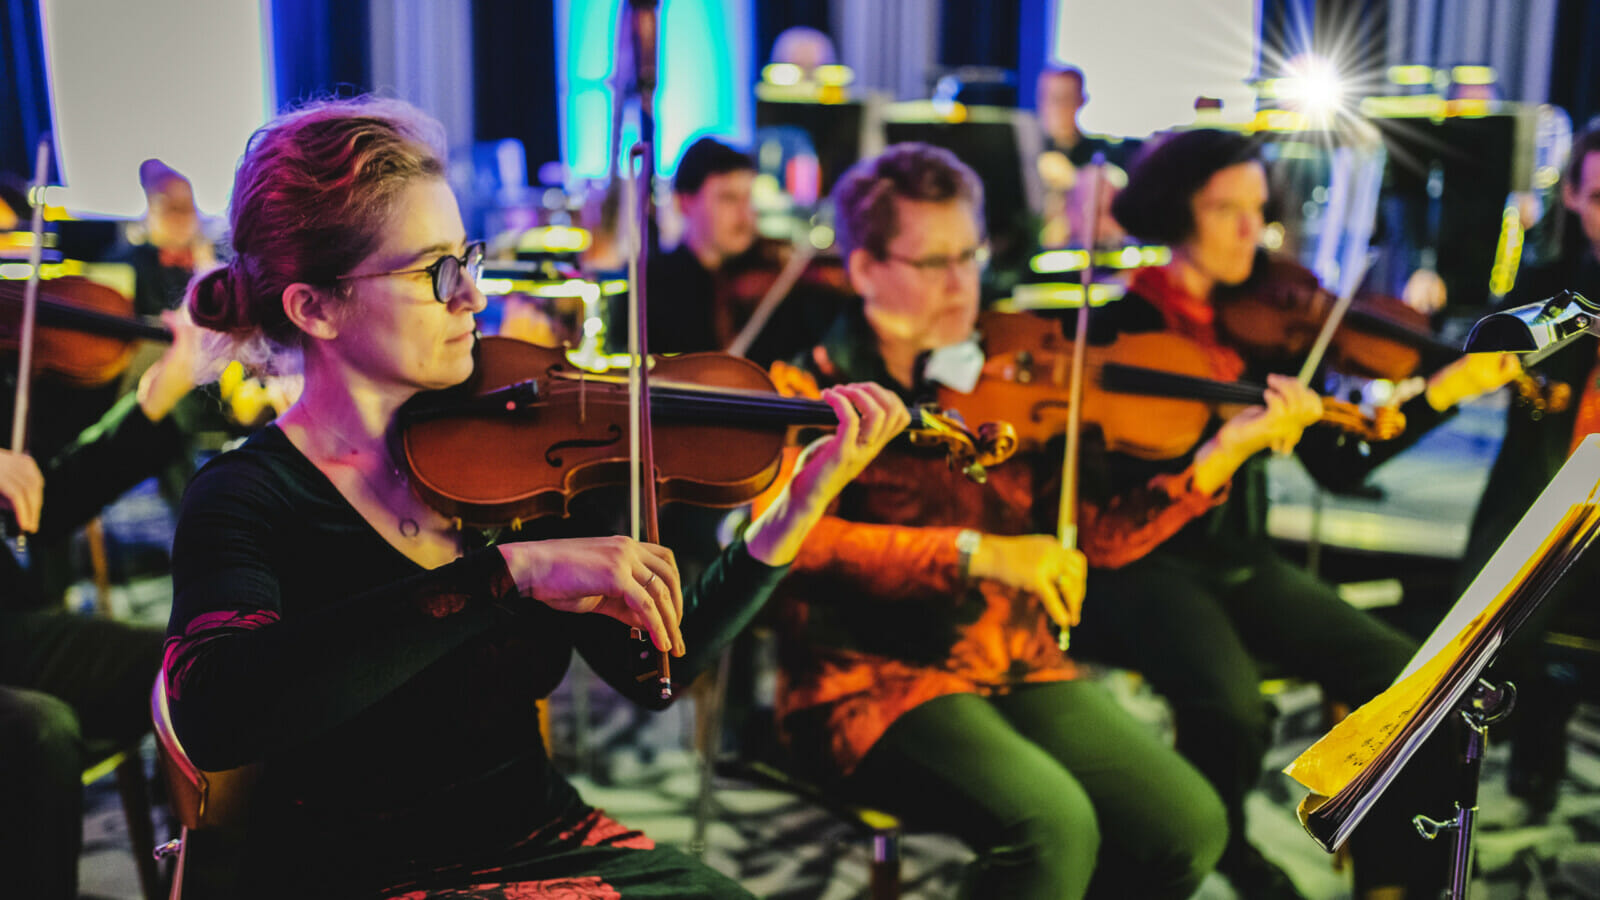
[(971, 452), (1386, 423), (1540, 395)]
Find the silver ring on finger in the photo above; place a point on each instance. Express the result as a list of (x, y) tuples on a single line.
[(649, 581)]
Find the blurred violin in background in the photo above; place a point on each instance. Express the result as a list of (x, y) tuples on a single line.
[(1149, 393), (87, 332), (774, 274), (1275, 317)]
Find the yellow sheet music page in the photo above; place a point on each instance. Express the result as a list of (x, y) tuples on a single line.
[(1332, 762)]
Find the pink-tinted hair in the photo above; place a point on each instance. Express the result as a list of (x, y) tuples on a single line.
[(311, 197)]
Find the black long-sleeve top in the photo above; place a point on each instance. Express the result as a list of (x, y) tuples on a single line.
[(393, 707)]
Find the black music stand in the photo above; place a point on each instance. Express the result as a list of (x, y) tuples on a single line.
[(1375, 743), (1484, 706)]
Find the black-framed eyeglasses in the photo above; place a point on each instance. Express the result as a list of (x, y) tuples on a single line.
[(446, 271), (930, 265)]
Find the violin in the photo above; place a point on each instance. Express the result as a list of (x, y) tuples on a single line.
[(87, 332), (529, 431), (1150, 393), (1274, 318), (750, 288)]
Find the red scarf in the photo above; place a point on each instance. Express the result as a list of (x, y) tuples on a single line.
[(1588, 421), (1188, 315), (176, 257)]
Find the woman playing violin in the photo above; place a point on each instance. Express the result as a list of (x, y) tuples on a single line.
[(919, 663), (1185, 587), (382, 665)]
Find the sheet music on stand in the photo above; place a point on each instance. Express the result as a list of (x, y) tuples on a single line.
[(1349, 768)]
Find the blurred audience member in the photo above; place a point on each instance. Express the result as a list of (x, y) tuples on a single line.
[(175, 245), (805, 47)]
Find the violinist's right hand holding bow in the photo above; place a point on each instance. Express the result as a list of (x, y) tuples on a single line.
[(1038, 564), (21, 489), (637, 583), (631, 581), (1287, 408)]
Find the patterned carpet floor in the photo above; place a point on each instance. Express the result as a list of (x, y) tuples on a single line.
[(643, 771)]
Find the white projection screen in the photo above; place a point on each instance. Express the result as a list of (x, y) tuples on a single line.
[(1145, 61), (183, 81)]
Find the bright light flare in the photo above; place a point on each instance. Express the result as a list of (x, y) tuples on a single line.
[(1313, 86)]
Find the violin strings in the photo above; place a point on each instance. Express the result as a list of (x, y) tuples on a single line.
[(1134, 379), (688, 402)]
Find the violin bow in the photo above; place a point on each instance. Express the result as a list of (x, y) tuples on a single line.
[(1067, 511), (804, 252), (1353, 209), (641, 443), (30, 312)]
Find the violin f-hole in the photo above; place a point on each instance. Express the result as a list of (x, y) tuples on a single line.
[(552, 454), (1037, 411)]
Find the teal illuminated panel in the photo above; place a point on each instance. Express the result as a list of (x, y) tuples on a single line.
[(704, 78)]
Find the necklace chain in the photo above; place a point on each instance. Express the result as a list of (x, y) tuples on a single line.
[(407, 525)]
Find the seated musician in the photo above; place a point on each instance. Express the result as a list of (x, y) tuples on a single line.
[(66, 679), (704, 292), (175, 245), (920, 668), (382, 665), (1067, 150), (1535, 446), (711, 191), (1185, 585), (1060, 95)]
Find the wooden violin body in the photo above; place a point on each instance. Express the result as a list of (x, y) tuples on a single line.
[(87, 332), (530, 431), (1275, 317), (743, 284), (1150, 393)]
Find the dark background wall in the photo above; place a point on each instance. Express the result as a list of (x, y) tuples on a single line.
[(319, 48), (514, 76)]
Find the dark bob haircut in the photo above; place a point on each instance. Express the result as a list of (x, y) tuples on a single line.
[(1155, 205), (705, 158)]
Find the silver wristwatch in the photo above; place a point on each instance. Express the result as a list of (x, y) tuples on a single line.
[(967, 542)]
